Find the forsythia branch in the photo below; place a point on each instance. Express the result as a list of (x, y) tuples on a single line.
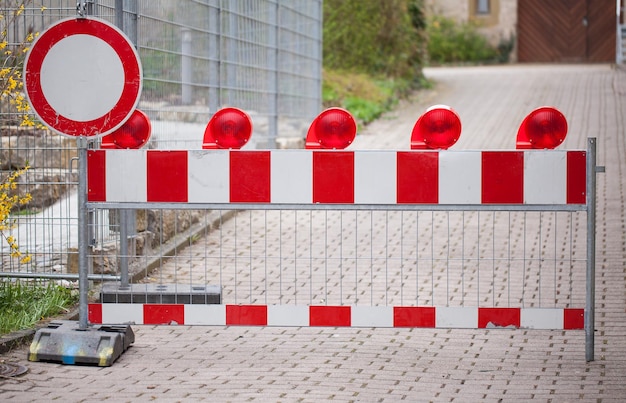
[(11, 62), (7, 203), (12, 54)]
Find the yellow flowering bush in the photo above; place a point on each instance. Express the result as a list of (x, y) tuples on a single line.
[(11, 93), (9, 200), (11, 84)]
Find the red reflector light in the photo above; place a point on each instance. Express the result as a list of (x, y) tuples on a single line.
[(543, 128), (227, 128), (438, 128), (334, 128), (133, 134)]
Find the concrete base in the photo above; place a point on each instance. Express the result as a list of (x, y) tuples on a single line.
[(64, 342), (161, 294)]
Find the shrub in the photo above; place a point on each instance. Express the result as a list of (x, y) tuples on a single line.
[(364, 96), (13, 55), (11, 91), (374, 37), (451, 42)]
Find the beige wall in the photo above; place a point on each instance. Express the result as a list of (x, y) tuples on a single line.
[(457, 9), (500, 25)]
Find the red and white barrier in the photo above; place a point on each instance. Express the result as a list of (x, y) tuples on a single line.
[(337, 316), (537, 177)]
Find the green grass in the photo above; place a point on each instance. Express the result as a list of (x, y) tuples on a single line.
[(24, 303), (363, 110), (366, 97)]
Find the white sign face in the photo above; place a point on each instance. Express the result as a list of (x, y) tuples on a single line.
[(75, 91), (83, 77)]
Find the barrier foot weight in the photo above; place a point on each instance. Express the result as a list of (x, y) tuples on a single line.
[(64, 342)]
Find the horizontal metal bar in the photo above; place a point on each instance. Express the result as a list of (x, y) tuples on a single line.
[(282, 206), (60, 276)]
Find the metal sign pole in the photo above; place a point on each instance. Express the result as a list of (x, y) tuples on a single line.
[(83, 262), (92, 44)]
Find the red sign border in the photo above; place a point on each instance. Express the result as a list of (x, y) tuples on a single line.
[(133, 77)]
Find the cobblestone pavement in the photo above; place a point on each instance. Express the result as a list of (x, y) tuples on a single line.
[(184, 363)]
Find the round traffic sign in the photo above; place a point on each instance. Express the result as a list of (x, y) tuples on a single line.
[(83, 77)]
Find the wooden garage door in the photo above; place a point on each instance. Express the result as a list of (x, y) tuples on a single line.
[(566, 31)]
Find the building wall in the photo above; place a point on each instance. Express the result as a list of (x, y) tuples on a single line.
[(499, 25)]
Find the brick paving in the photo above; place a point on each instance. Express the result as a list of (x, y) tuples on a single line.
[(184, 363)]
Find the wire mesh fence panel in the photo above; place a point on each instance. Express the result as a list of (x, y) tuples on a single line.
[(43, 227), (263, 56), (382, 258)]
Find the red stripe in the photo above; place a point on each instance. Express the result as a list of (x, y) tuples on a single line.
[(413, 316), (498, 317), (163, 314), (250, 176), (502, 177), (333, 316), (418, 177), (94, 314), (246, 315), (167, 176), (96, 176), (573, 318), (333, 177), (576, 177)]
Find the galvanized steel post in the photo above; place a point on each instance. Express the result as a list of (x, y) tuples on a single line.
[(591, 250), (83, 270), (124, 218)]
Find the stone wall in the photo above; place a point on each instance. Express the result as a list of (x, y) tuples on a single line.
[(50, 159)]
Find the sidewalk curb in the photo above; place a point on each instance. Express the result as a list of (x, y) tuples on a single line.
[(18, 338)]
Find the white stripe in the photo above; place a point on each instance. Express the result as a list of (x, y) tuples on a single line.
[(198, 314), (288, 315), (456, 317), (375, 177), (208, 176), (541, 318), (122, 314), (460, 177), (291, 178), (545, 177), (126, 178), (372, 316)]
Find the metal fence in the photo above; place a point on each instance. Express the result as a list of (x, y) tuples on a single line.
[(263, 56)]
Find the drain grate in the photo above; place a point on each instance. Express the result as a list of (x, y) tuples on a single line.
[(9, 370)]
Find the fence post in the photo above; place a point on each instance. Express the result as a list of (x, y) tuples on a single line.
[(186, 75), (214, 43), (273, 57), (591, 250), (124, 221)]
